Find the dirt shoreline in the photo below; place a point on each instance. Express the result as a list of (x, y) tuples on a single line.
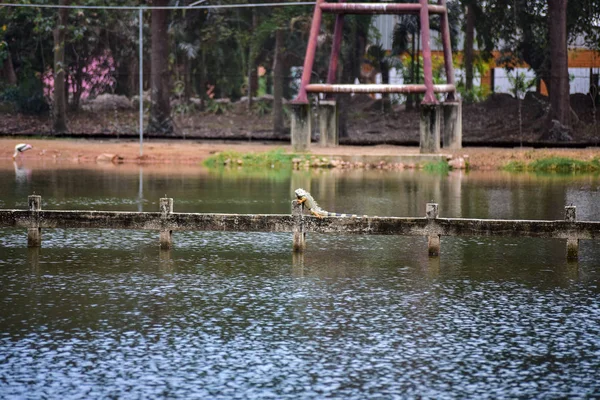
[(191, 152)]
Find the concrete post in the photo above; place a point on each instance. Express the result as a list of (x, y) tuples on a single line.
[(33, 259), (452, 133), (166, 235), (328, 123), (299, 239), (572, 243), (301, 126), (430, 128), (165, 263), (34, 232), (433, 240)]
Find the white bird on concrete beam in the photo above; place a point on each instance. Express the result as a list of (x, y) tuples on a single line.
[(21, 147)]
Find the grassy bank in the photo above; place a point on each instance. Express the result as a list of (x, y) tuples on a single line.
[(555, 164), (279, 159)]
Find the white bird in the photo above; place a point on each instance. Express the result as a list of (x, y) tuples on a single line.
[(21, 147)]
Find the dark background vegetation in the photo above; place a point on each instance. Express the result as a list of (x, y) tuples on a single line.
[(228, 72)]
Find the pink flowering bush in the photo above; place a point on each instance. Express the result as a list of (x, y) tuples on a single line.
[(91, 80)]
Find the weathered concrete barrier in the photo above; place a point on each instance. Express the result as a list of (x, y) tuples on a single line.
[(166, 221)]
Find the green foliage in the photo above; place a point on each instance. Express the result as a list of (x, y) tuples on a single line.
[(515, 166), (262, 107), (217, 107), (277, 158), (520, 84), (441, 167), (477, 94), (555, 164), (28, 97), (563, 164), (3, 52)]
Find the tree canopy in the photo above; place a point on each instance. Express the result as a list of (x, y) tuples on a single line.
[(215, 52)]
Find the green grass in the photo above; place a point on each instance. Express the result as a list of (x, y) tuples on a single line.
[(437, 167), (555, 164), (515, 166), (277, 158)]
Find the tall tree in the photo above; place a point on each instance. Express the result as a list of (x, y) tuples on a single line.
[(160, 106), (560, 108), (468, 50), (59, 122), (7, 70), (278, 81), (356, 31), (406, 30), (538, 33)]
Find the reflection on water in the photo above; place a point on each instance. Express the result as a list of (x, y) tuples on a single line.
[(104, 313)]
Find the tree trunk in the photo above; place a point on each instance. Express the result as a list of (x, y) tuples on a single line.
[(278, 80), (8, 70), (252, 70), (560, 108), (59, 123), (468, 51), (385, 80), (187, 79), (160, 106), (351, 68), (410, 98)]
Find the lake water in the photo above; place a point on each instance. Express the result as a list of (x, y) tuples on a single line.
[(106, 314)]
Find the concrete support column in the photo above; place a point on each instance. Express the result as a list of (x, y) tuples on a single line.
[(328, 123), (166, 235), (572, 243), (433, 240), (299, 239), (301, 126), (430, 128), (452, 133), (34, 232)]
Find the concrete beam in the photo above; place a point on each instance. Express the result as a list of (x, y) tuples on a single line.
[(285, 223), (431, 226)]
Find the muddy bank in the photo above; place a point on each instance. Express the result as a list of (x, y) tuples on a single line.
[(192, 152)]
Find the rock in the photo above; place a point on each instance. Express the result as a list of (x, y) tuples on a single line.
[(135, 100), (558, 132), (107, 157), (458, 163), (108, 102)]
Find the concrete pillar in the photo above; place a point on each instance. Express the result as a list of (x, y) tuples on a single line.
[(452, 133), (430, 128), (298, 264), (433, 240), (33, 259), (301, 126), (165, 262), (572, 243), (166, 235), (328, 123), (34, 232), (299, 239)]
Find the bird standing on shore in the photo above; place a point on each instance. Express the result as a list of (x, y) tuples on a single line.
[(21, 147)]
